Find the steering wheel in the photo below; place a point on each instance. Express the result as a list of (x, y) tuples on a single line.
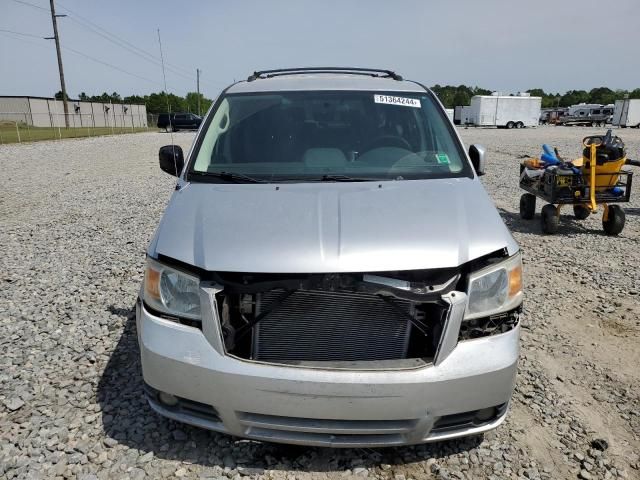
[(387, 141)]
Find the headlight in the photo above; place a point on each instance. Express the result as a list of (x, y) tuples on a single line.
[(171, 291), (495, 289)]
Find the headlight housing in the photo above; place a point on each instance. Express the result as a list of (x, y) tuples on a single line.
[(495, 289), (171, 291)]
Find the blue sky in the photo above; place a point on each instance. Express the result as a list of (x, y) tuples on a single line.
[(504, 45)]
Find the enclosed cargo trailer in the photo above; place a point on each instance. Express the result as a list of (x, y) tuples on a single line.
[(457, 115), (449, 113), (505, 111), (627, 113)]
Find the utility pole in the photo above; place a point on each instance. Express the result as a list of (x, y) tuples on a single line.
[(198, 87), (56, 37)]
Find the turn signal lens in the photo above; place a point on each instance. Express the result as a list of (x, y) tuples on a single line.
[(515, 280), (152, 282)]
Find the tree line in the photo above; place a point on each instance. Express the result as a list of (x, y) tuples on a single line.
[(449, 95), (155, 102)]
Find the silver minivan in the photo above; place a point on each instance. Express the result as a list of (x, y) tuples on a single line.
[(329, 270)]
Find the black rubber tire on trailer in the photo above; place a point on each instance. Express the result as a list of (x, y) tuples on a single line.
[(615, 221), (510, 125), (550, 220), (594, 124), (581, 212), (519, 125), (527, 206)]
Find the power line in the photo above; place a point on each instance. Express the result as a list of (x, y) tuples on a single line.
[(130, 47), (121, 42), (117, 42), (102, 32), (20, 33), (81, 54), (32, 5), (89, 57)]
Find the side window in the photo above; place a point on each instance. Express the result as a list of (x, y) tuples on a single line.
[(595, 112)]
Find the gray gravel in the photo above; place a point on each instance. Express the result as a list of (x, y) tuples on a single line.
[(75, 219)]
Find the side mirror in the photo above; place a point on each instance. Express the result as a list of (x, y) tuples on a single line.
[(477, 154), (171, 159)]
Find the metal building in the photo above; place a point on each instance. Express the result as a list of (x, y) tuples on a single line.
[(49, 112)]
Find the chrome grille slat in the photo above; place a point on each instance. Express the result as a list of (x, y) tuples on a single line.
[(318, 325)]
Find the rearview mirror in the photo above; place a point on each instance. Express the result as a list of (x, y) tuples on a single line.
[(171, 159), (477, 154)]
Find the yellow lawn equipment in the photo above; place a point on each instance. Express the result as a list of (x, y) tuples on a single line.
[(595, 179)]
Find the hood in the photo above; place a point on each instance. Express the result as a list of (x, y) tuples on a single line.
[(331, 227)]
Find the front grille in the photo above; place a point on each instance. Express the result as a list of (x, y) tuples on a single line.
[(315, 325)]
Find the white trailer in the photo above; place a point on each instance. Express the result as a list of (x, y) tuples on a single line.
[(517, 111), (465, 115), (449, 113), (627, 113), (457, 115)]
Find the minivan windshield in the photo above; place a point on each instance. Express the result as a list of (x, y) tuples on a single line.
[(327, 135)]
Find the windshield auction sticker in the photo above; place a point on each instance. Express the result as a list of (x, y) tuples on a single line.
[(402, 101)]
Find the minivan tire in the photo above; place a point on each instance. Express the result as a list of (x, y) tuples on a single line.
[(527, 206), (550, 220), (615, 221)]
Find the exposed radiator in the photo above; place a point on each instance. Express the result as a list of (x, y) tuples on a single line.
[(315, 325)]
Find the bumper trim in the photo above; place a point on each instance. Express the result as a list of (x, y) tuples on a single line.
[(338, 427)]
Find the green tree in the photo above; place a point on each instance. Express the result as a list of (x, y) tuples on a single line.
[(192, 103), (573, 97), (134, 99), (602, 95)]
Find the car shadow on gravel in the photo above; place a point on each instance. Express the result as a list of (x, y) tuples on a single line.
[(128, 420), (568, 224)]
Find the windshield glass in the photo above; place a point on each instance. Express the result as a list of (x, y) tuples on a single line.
[(325, 135)]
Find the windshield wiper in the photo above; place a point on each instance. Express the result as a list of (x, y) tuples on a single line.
[(235, 177), (344, 178)]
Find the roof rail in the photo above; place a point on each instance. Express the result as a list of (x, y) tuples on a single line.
[(373, 72)]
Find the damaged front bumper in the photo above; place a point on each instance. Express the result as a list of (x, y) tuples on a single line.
[(464, 391)]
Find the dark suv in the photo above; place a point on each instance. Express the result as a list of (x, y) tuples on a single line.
[(179, 121)]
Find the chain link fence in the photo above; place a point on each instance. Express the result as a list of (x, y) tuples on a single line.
[(29, 119)]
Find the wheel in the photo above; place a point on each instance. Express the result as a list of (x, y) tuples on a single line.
[(581, 212), (550, 219), (519, 125), (594, 124), (602, 124), (510, 125), (527, 206), (615, 221)]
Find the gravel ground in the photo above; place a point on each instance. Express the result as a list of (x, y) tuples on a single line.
[(75, 219)]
